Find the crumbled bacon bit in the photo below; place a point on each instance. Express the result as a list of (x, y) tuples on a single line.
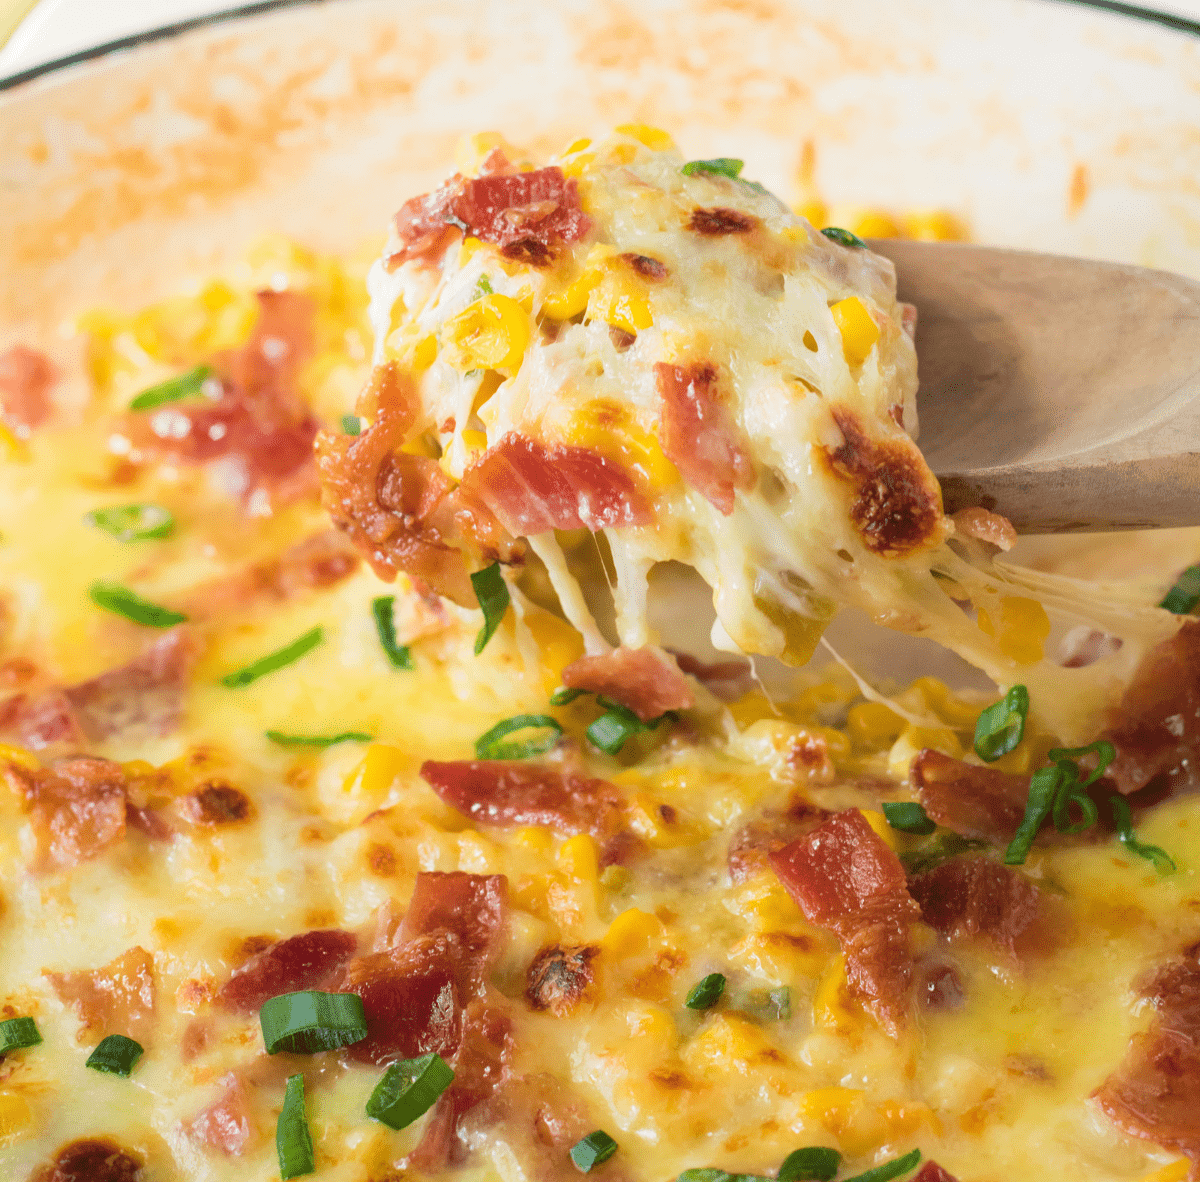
[(930, 1172), (26, 377), (91, 1160), (558, 978), (644, 680), (985, 526), (646, 267), (115, 998), (727, 680), (228, 1123), (717, 222), (621, 339), (941, 988), (39, 722), (215, 803), (971, 800), (750, 849), (293, 965)]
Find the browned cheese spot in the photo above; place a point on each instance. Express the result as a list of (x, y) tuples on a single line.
[(558, 978), (91, 1160), (647, 267), (717, 222), (214, 803)]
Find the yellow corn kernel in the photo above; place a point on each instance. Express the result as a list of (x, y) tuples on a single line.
[(935, 225), (878, 822), (424, 353), (1024, 628), (764, 903), (559, 644), (535, 838), (874, 725), (753, 706), (833, 1107), (12, 449), (915, 739), (622, 302), (490, 334), (797, 235), (19, 756), (729, 1042), (15, 1116), (579, 857), (379, 768), (859, 331), (651, 138), (932, 696), (631, 933), (576, 167), (832, 1006), (905, 1117), (530, 893), (577, 145), (475, 440), (1173, 1172), (572, 300), (874, 224)]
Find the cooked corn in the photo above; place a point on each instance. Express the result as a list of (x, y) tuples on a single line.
[(490, 334), (859, 331)]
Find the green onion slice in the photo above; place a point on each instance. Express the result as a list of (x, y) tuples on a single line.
[(493, 744), (179, 388), (773, 1005), (408, 1089), (492, 593), (297, 741), (308, 1022), (383, 609), (610, 731), (707, 992), (132, 522), (1001, 726), (730, 167), (593, 1150), (483, 287), (935, 852), (565, 695), (1185, 595), (909, 817), (351, 425), (716, 1175), (889, 1170), (813, 1164), (116, 1055), (293, 1142), (17, 1033), (272, 662), (118, 599), (1164, 864), (844, 237)]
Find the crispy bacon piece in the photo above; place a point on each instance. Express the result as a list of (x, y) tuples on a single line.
[(845, 878), (39, 722), (293, 965), (528, 214), (699, 436), (718, 222), (76, 808), (897, 507), (647, 267), (473, 907), (930, 1171), (228, 1123), (750, 849), (1155, 1093), (645, 680), (215, 803), (727, 680), (975, 801), (1156, 727), (985, 526), (1082, 646), (26, 377), (559, 977), (534, 488), (146, 821), (970, 896), (91, 1160), (115, 998)]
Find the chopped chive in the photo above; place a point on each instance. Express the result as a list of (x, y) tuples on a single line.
[(889, 1170), (565, 695), (17, 1033), (1043, 787), (409, 1089), (934, 853), (493, 744), (383, 609), (116, 598), (315, 741), (844, 237), (352, 426), (492, 594), (909, 817), (610, 731), (1185, 595), (132, 522), (730, 167), (1001, 726), (707, 992), (116, 1055), (591, 1151), (1164, 864), (813, 1164), (189, 384), (308, 1022), (272, 662), (716, 1175), (483, 287), (293, 1142)]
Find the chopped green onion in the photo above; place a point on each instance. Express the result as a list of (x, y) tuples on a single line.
[(716, 1175), (909, 817), (179, 388), (1164, 864), (493, 744), (272, 662), (731, 167), (307, 1022), (409, 1089), (17, 1033), (120, 600), (565, 695), (1001, 726), (293, 1142), (773, 1005), (813, 1164), (934, 853), (483, 287), (889, 1170), (352, 426), (116, 1055), (132, 522), (1185, 595), (707, 992), (492, 593), (610, 731), (593, 1150), (298, 741), (383, 609), (844, 237)]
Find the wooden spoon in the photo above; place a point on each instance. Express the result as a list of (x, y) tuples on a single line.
[(1062, 393)]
